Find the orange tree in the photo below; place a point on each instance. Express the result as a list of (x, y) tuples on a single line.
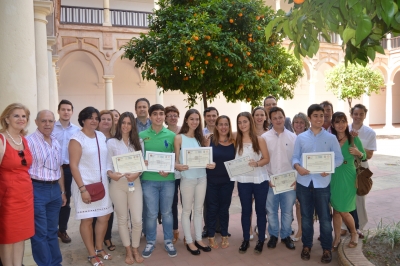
[(207, 47)]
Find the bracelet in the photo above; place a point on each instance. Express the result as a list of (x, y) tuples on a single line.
[(62, 192), (83, 191), (257, 164), (81, 186)]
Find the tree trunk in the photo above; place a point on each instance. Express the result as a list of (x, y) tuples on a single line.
[(349, 100), (204, 98)]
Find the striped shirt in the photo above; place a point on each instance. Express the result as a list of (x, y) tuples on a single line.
[(46, 161)]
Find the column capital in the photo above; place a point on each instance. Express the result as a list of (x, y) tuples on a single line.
[(54, 59), (108, 77), (42, 9), (51, 40)]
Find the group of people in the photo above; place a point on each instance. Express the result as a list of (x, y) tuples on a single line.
[(40, 173)]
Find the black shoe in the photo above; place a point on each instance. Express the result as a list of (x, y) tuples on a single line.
[(204, 234), (288, 242), (272, 242), (243, 248), (326, 256), (259, 247), (193, 252), (205, 249), (305, 253)]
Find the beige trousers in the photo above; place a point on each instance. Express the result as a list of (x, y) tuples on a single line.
[(123, 201)]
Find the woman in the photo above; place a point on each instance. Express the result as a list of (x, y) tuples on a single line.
[(116, 116), (107, 127), (16, 192), (171, 120), (300, 124), (193, 181), (126, 140), (219, 185), (88, 161), (343, 190), (253, 184)]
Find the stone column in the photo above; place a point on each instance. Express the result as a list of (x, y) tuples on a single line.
[(53, 91), (106, 13), (109, 91), (389, 41), (17, 64), (42, 9), (159, 96), (277, 5), (389, 106), (366, 104)]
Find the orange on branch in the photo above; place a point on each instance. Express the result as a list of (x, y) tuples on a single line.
[(269, 71), (299, 2), (196, 38), (240, 14), (206, 62), (208, 54), (248, 53), (207, 37), (250, 35), (191, 58), (189, 49), (231, 20), (187, 64), (226, 59), (175, 68)]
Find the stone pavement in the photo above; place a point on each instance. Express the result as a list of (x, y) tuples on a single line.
[(381, 204)]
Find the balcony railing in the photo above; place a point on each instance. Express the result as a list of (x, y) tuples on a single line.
[(94, 16), (394, 43)]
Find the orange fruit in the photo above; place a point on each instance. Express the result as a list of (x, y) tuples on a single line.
[(187, 64), (202, 71), (299, 2), (196, 38), (248, 99), (259, 28), (250, 35), (194, 14), (207, 37), (175, 68), (216, 57), (206, 62), (250, 65), (257, 17), (250, 39), (272, 44), (248, 53), (231, 20), (226, 59), (191, 58), (208, 54), (189, 49), (240, 14), (269, 71)]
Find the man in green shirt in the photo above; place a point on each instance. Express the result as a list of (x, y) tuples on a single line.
[(158, 188)]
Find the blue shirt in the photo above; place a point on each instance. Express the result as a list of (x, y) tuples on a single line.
[(221, 154), (322, 142), (142, 127), (63, 135)]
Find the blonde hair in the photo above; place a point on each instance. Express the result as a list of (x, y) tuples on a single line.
[(113, 126), (7, 112)]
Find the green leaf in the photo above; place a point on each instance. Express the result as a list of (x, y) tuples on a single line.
[(348, 34), (287, 30), (389, 10), (364, 27), (268, 29), (371, 53), (379, 49), (351, 3)]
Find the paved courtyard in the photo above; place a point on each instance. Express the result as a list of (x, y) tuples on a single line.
[(381, 203)]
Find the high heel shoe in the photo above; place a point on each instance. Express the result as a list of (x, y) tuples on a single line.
[(335, 248), (193, 252), (213, 244)]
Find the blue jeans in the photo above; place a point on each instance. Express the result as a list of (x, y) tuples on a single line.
[(246, 193), (158, 196), (285, 201), (311, 198), (47, 205), (218, 200)]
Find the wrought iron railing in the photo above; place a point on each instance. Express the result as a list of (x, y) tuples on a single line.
[(127, 18)]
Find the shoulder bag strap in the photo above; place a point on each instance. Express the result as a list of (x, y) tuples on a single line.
[(98, 153), (4, 148)]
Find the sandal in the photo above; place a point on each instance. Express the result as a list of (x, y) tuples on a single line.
[(176, 237), (137, 256), (335, 248), (212, 242), (105, 257), (98, 261), (353, 244), (110, 247), (360, 234), (225, 242)]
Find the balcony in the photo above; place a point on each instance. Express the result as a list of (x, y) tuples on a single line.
[(94, 16)]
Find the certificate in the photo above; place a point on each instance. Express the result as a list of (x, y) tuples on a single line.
[(238, 166), (197, 157), (160, 161), (319, 162), (282, 182), (129, 163)]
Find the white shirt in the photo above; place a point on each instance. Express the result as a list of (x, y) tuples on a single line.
[(280, 149), (367, 136), (118, 147)]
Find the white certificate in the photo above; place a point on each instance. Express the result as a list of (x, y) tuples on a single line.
[(319, 162), (197, 157), (129, 163), (160, 161), (283, 182), (238, 166)]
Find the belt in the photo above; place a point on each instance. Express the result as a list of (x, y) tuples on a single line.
[(44, 182), (364, 160), (65, 165)]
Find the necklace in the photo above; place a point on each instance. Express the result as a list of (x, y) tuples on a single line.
[(341, 138), (13, 140), (224, 141)]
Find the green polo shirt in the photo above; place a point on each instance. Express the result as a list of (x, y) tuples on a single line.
[(162, 141)]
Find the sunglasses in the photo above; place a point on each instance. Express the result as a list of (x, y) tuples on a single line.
[(22, 155)]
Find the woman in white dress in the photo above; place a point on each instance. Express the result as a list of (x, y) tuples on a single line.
[(126, 140), (88, 162)]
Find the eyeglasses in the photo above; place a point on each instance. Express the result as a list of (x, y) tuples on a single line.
[(172, 116), (51, 162), (22, 155)]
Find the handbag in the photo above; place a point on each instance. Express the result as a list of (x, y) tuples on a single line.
[(363, 177), (96, 190)]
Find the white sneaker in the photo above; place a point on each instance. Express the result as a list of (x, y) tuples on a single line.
[(251, 237)]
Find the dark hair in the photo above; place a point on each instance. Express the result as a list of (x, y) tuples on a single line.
[(209, 109), (171, 108), (115, 110), (215, 137), (133, 134), (269, 97), (314, 107), (156, 107), (87, 113), (276, 109), (326, 103), (359, 106), (336, 117), (65, 102), (252, 134), (142, 100), (265, 125), (198, 133)]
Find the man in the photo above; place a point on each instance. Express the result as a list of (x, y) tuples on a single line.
[(158, 187), (210, 117), (313, 190), (142, 118), (328, 112), (280, 143), (270, 102), (48, 190), (63, 131), (368, 139)]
